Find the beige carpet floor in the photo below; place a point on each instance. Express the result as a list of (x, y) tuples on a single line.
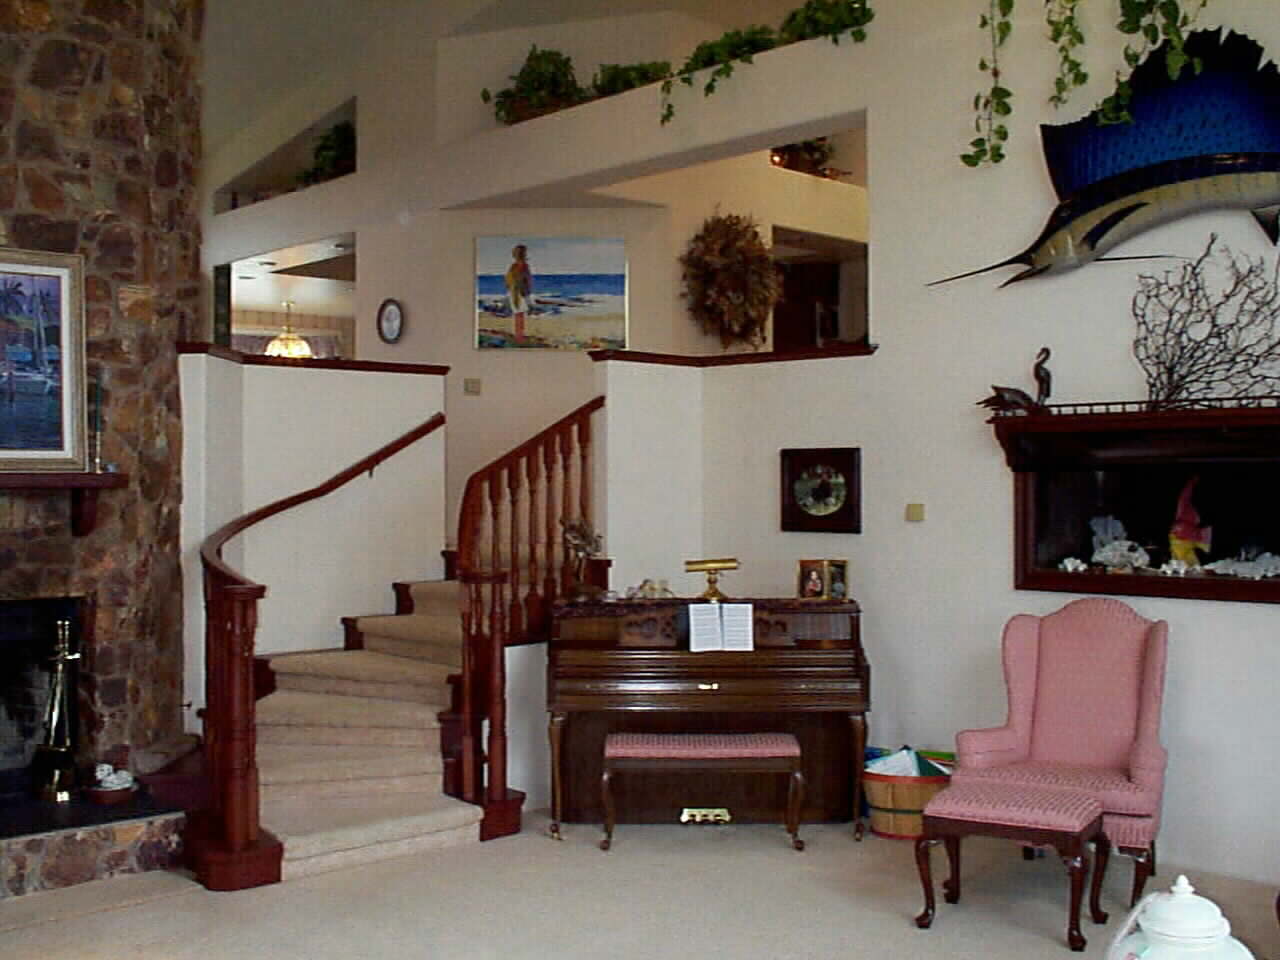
[(702, 892)]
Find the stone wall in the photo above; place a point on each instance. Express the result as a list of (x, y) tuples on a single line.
[(99, 150), (49, 861)]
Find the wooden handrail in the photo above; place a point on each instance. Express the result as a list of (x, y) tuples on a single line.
[(512, 566), (232, 851)]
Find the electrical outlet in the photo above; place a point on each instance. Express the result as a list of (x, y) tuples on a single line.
[(471, 386)]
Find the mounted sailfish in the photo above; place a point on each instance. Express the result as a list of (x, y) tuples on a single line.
[(1208, 140)]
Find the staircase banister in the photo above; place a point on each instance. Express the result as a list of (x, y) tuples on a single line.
[(469, 511), (230, 850)]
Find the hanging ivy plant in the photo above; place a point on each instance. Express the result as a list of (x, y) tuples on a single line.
[(993, 105), (827, 18), (1066, 35), (1153, 22), (733, 46), (730, 281)]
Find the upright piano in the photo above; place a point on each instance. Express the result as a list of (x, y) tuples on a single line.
[(626, 666)]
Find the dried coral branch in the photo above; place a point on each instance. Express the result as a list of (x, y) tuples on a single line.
[(1209, 329)]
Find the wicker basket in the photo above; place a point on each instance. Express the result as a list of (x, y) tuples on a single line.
[(895, 803)]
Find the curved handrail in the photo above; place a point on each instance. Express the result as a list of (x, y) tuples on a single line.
[(233, 851)]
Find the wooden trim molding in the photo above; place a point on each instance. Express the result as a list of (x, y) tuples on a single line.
[(735, 359), (354, 366)]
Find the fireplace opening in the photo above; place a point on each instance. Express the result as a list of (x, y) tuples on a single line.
[(29, 631)]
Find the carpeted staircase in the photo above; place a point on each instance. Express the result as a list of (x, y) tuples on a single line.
[(349, 745)]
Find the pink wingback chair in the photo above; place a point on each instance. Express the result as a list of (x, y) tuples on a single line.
[(1085, 686)]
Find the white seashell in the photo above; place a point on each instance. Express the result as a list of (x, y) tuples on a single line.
[(1073, 565), (1121, 553)]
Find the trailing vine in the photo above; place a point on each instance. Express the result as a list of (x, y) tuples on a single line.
[(1066, 35), (733, 46), (1153, 22), (1150, 22), (994, 104)]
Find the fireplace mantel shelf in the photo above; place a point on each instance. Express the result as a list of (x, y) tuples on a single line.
[(84, 489)]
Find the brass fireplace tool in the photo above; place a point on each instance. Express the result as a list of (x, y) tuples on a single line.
[(53, 766)]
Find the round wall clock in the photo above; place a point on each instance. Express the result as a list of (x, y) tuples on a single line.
[(390, 320)]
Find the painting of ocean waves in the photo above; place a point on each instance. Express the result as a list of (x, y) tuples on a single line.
[(566, 308)]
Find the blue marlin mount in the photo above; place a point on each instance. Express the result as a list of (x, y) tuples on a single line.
[(1209, 140)]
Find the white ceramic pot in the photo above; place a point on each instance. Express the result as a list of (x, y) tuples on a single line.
[(1178, 925)]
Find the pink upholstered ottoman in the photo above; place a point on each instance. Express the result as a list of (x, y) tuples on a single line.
[(733, 752), (1068, 820)]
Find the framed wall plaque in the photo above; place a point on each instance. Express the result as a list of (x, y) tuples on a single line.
[(42, 363), (822, 490)]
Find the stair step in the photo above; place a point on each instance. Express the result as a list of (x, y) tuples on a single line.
[(449, 655), (345, 823), (302, 709), (313, 764), (322, 791), (297, 717), (435, 596), (436, 696), (444, 629), (363, 665)]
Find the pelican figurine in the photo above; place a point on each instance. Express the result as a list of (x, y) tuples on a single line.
[(1007, 399)]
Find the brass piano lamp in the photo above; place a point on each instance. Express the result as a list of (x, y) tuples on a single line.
[(712, 569)]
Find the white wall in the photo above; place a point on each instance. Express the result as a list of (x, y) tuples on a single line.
[(253, 435), (936, 593)]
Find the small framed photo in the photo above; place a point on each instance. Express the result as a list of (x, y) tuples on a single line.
[(837, 579), (811, 580), (822, 490), (42, 368)]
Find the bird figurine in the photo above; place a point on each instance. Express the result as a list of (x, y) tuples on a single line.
[(1008, 399)]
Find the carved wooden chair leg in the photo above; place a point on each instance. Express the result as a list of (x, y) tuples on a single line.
[(606, 798), (925, 918), (1102, 853), (795, 800), (951, 886), (1143, 867), (1077, 867)]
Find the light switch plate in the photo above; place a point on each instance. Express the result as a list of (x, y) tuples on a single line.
[(915, 512), (471, 386)]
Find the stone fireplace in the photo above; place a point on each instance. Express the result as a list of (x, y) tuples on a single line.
[(99, 150)]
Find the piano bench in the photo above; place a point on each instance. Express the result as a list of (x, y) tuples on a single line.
[(729, 752)]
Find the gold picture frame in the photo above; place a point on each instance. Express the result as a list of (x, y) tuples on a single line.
[(826, 579)]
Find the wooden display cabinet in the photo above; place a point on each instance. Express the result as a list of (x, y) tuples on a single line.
[(1072, 463)]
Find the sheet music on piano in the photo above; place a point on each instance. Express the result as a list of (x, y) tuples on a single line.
[(720, 626)]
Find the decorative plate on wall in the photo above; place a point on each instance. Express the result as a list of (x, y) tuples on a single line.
[(822, 490)]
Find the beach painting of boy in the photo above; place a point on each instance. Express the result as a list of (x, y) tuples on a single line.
[(557, 293)]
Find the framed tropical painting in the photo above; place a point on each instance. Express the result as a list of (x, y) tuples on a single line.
[(42, 369), (551, 293)]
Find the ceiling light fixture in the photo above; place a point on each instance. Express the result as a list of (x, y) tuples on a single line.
[(287, 343)]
